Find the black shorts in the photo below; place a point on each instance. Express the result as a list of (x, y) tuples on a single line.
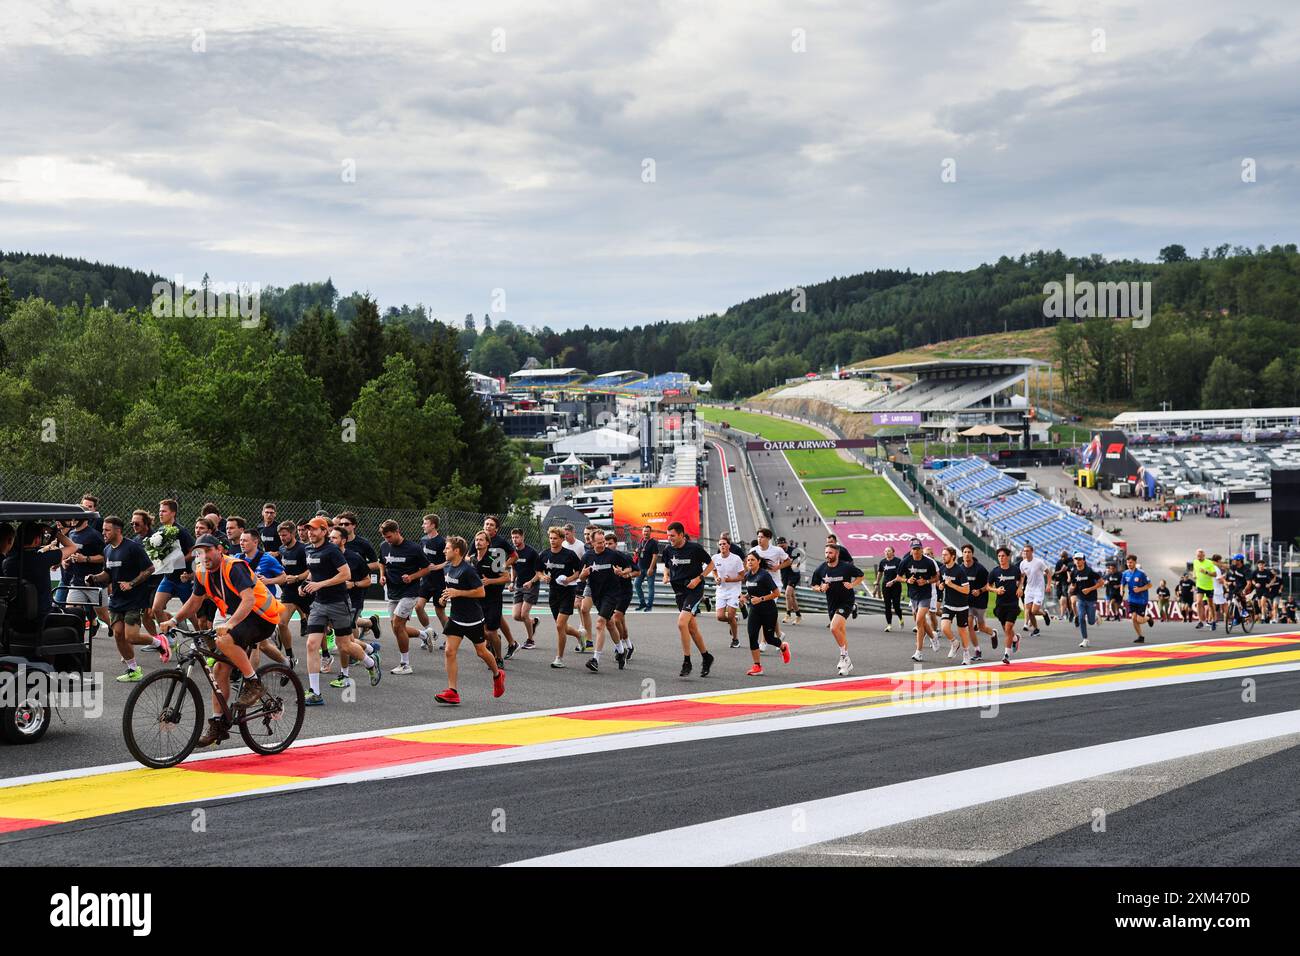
[(295, 597), (252, 631), (1208, 595), (624, 600), (492, 612), (790, 579), (843, 610), (471, 632), (150, 587), (1006, 613), (960, 615), (688, 600), (1112, 595), (561, 600), (1062, 590), (1138, 610), (432, 586), (607, 604)]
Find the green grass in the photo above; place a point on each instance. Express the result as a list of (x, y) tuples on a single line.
[(872, 495), (824, 463)]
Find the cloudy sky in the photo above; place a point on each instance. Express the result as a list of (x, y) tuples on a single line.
[(507, 145)]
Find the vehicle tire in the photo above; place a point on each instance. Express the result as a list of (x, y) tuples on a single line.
[(27, 722), (276, 720), (175, 736)]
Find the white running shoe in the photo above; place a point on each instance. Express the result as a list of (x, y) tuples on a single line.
[(1084, 642), (952, 649), (888, 628), (917, 657), (934, 644), (557, 663), (845, 666), (402, 669)]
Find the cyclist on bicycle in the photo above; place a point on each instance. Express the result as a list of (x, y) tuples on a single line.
[(1239, 587), (250, 614)]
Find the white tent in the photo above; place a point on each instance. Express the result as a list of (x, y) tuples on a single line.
[(599, 441)]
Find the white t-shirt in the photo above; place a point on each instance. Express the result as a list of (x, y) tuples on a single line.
[(728, 567), (1033, 572), (772, 556)]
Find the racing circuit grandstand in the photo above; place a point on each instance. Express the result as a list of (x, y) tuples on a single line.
[(1003, 512)]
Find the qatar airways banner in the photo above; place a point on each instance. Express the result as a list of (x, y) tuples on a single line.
[(868, 538), (658, 508), (810, 444)]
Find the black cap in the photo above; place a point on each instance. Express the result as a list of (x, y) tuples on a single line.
[(207, 541)]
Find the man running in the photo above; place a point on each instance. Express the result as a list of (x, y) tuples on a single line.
[(1085, 582), (791, 574), (1061, 577), (405, 565), (979, 598), (1206, 572), (1035, 572), (1136, 586), (330, 608), (559, 568), (728, 573), (293, 558), (889, 587), (839, 581), (1186, 596), (580, 549), (88, 559), (127, 570), (502, 550), (526, 586), (603, 568), (777, 560), (1162, 601), (434, 546), (1005, 582), (920, 573), (1114, 591), (760, 593), (686, 565), (956, 607), (268, 532), (1263, 579), (462, 597)]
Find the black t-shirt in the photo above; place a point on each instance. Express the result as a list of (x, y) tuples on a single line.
[(1236, 578), (364, 548), (840, 577), (601, 576), (501, 550), (269, 536), (979, 578), (123, 563), (323, 563), (921, 567), (405, 558), (759, 584), (1008, 578), (526, 561), (486, 567), (1061, 573), (563, 563), (685, 563), (293, 558), (36, 568), (887, 569), (645, 552), (91, 543), (957, 574), (1262, 579), (1081, 579), (1186, 590), (1113, 581), (435, 549), (464, 577), (1162, 592), (360, 571)]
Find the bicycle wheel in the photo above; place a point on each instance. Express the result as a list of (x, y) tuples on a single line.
[(272, 724), (1248, 622), (162, 719)]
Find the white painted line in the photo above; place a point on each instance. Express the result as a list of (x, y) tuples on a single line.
[(694, 695), (795, 826)]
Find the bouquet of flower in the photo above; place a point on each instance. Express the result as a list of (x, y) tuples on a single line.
[(160, 545)]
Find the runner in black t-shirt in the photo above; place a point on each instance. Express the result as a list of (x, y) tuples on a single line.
[(558, 568), (604, 569), (526, 585), (625, 588), (919, 573), (405, 567), (1263, 579), (434, 546), (268, 533), (495, 575), (1004, 584), (462, 596), (293, 558), (979, 598), (1085, 582), (1114, 579), (1162, 600), (686, 565), (1186, 596), (838, 580), (759, 592), (956, 606), (1061, 581), (889, 587), (504, 553)]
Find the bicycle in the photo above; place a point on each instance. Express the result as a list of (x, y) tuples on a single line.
[(1237, 612), (160, 732)]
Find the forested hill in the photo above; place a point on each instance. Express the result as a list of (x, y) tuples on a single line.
[(62, 280)]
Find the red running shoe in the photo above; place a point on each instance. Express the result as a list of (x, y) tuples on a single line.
[(448, 696), (164, 649), (754, 671), (499, 682), (785, 652)]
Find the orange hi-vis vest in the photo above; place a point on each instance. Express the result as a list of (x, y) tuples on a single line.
[(265, 604)]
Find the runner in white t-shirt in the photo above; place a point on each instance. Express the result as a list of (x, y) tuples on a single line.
[(1034, 571), (728, 572)]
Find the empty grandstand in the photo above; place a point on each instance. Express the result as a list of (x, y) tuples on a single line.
[(1224, 423), (1205, 469), (616, 380), (995, 506), (668, 383), (546, 378)]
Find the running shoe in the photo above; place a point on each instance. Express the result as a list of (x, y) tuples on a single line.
[(510, 651), (934, 643), (705, 664), (621, 658), (845, 666), (164, 648), (735, 642), (448, 696), (500, 663), (374, 648), (686, 668), (798, 618), (529, 644), (593, 665), (1015, 644), (374, 623), (558, 663), (402, 669), (376, 674), (1006, 658), (994, 640), (978, 655), (132, 675), (629, 651), (1084, 642), (952, 649), (917, 657), (499, 684), (1140, 640), (755, 671), (785, 652), (341, 681), (1034, 633), (1047, 620), (888, 628), (312, 699), (326, 663), (786, 619)]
